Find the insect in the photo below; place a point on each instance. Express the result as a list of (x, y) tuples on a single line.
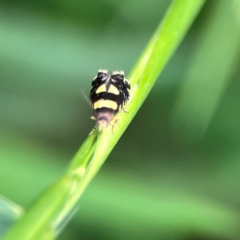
[(108, 95)]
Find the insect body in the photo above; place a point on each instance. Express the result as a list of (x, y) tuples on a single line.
[(108, 95)]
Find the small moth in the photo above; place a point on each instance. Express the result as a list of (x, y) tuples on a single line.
[(108, 95)]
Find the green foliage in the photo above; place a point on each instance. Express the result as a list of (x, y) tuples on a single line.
[(51, 208), (172, 189)]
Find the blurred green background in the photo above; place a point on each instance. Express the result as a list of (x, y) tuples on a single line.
[(175, 173)]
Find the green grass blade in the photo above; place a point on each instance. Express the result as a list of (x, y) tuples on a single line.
[(43, 219), (163, 44), (203, 87), (47, 214)]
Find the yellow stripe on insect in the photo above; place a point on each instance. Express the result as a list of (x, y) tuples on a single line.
[(102, 88), (105, 104), (113, 90)]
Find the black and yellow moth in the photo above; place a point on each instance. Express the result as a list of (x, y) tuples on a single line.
[(108, 95)]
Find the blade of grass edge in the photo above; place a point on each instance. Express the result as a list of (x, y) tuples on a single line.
[(178, 19), (42, 218), (54, 204)]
